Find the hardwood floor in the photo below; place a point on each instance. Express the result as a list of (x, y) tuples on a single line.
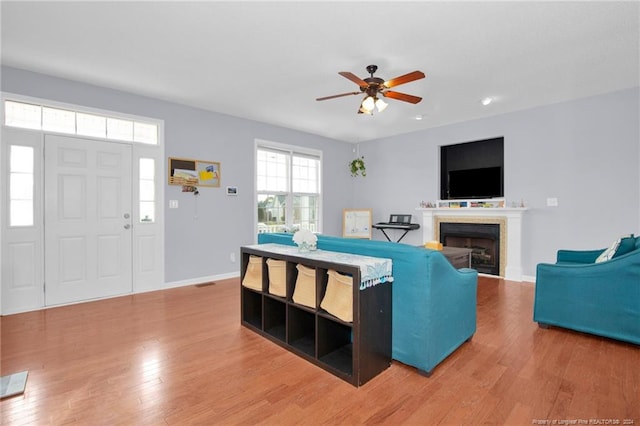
[(180, 356)]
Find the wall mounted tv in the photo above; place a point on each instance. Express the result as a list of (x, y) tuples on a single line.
[(472, 170)]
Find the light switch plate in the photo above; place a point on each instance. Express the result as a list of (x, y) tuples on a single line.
[(552, 202), (173, 204)]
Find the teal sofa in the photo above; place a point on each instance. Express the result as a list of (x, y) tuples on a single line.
[(433, 304), (598, 298)]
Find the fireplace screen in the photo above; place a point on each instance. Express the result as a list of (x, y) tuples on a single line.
[(482, 238)]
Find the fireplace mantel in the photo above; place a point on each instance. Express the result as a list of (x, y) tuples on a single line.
[(513, 216)]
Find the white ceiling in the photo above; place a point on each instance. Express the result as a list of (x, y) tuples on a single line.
[(268, 61)]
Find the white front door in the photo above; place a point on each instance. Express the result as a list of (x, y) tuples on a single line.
[(88, 219)]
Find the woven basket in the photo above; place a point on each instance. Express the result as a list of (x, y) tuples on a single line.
[(253, 275), (338, 299), (305, 291), (277, 277)]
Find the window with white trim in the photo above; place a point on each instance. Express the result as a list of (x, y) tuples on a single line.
[(41, 117), (288, 188)]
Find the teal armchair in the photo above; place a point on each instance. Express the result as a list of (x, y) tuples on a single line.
[(598, 298)]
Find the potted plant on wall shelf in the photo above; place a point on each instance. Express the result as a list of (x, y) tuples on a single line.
[(357, 167)]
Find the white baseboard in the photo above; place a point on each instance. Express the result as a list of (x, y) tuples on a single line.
[(200, 280), (165, 286)]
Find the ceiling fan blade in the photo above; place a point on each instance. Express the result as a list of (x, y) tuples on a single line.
[(416, 75), (401, 96), (357, 80), (338, 96)]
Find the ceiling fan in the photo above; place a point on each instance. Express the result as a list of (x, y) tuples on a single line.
[(374, 86)]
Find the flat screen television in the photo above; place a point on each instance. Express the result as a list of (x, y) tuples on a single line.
[(472, 169), (485, 182)]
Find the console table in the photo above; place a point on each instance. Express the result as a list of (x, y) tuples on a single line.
[(353, 351)]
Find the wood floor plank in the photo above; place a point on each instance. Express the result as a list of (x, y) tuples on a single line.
[(180, 356)]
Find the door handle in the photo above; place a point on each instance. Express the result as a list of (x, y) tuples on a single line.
[(127, 226), (126, 215)]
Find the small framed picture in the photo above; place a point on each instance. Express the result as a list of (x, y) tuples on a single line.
[(232, 190)]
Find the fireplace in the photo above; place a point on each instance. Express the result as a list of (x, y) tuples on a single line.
[(482, 238), (509, 218)]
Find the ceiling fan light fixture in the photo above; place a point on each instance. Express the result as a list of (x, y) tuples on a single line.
[(381, 105), (364, 107), (368, 104)]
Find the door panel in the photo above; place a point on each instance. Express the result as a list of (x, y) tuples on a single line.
[(109, 207), (147, 248), (108, 265), (73, 195), (71, 253), (87, 237), (22, 256)]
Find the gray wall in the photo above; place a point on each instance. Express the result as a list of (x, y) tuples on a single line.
[(201, 247), (585, 152)]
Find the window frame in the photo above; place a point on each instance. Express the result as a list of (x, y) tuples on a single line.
[(110, 119), (290, 151)]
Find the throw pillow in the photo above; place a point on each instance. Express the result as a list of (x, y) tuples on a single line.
[(627, 244), (609, 253)]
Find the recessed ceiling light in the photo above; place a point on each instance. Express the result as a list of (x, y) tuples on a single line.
[(419, 117), (486, 101)]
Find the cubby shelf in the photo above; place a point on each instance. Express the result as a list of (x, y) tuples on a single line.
[(353, 351)]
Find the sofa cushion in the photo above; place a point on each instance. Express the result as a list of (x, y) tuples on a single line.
[(627, 244)]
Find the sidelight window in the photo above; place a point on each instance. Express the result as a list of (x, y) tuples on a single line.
[(147, 190), (21, 187)]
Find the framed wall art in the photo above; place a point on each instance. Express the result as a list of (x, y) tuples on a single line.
[(185, 171), (356, 223), (208, 173)]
